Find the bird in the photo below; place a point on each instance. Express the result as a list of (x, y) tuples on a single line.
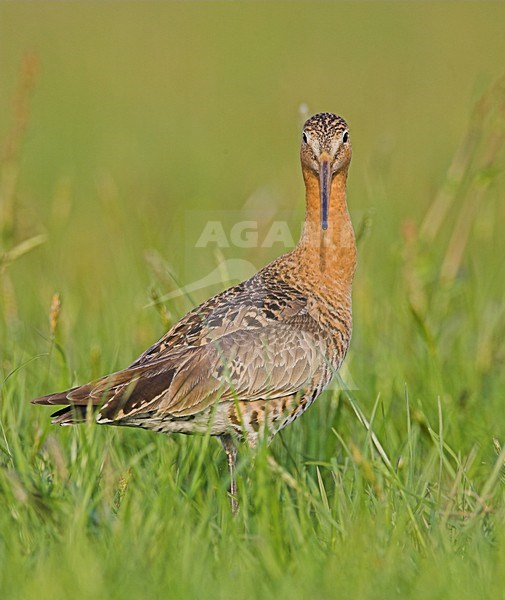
[(250, 360)]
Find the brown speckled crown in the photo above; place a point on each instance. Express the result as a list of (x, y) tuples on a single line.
[(325, 125)]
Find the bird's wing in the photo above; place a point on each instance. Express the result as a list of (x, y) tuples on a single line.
[(263, 363), (249, 342), (266, 363), (249, 304)]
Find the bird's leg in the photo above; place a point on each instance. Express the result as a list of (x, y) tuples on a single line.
[(231, 453)]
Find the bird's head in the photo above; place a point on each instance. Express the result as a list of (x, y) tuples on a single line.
[(325, 151)]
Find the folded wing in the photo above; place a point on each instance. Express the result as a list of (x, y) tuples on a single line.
[(247, 364)]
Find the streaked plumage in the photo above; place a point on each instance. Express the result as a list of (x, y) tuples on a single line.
[(251, 359)]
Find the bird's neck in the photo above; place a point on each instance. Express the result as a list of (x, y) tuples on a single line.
[(330, 253)]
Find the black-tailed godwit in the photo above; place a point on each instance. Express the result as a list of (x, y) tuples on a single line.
[(250, 360)]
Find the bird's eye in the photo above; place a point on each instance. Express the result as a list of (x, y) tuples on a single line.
[(305, 138), (345, 137)]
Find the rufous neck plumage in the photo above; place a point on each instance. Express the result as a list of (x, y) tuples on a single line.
[(331, 252)]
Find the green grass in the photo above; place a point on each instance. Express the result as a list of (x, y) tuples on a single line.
[(133, 125)]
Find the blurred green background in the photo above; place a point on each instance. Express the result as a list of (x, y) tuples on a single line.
[(142, 112), (121, 121)]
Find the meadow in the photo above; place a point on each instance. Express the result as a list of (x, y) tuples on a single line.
[(125, 128)]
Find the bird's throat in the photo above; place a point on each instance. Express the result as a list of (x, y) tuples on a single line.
[(335, 247)]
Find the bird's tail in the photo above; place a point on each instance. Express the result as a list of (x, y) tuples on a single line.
[(72, 414)]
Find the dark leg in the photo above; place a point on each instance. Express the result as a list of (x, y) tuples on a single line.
[(231, 453)]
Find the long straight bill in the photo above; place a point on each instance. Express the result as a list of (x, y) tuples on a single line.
[(324, 186)]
